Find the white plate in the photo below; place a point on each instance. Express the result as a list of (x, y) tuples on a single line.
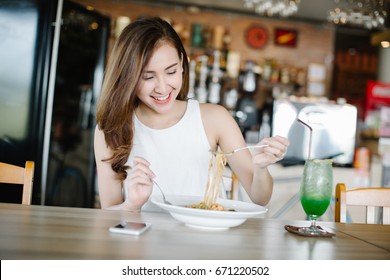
[(209, 219)]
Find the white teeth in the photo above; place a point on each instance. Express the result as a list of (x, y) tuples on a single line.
[(162, 98)]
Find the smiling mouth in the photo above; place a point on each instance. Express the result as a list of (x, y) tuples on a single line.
[(161, 99)]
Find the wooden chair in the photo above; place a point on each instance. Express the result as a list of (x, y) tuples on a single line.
[(12, 174), (371, 198)]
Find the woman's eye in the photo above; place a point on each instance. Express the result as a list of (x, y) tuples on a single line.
[(148, 77), (172, 72)]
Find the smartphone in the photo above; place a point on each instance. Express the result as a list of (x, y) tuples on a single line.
[(132, 228)]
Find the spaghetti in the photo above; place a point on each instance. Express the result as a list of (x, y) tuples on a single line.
[(214, 184)]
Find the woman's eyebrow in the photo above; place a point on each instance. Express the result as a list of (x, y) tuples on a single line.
[(173, 65), (170, 66)]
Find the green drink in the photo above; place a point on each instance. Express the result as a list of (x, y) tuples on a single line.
[(316, 191), (314, 207)]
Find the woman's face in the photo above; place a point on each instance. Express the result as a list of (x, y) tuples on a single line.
[(161, 79)]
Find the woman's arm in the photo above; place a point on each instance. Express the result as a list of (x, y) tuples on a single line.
[(262, 158), (251, 168), (140, 182)]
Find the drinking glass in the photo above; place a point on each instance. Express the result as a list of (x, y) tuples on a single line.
[(316, 192)]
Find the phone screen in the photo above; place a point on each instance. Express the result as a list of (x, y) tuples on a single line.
[(130, 227)]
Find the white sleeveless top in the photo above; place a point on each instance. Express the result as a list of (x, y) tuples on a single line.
[(179, 155)]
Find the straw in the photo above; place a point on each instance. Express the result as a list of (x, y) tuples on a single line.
[(310, 135)]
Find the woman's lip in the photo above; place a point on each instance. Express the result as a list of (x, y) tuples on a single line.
[(168, 97)]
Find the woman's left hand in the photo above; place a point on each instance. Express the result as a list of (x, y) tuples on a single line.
[(277, 148)]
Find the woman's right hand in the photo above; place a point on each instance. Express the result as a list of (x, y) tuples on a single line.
[(139, 183)]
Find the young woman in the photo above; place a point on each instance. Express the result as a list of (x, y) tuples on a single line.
[(148, 130)]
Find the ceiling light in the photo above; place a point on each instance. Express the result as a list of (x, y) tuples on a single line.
[(368, 14), (385, 44), (283, 8)]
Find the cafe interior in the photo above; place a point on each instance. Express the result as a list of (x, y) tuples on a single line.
[(268, 62)]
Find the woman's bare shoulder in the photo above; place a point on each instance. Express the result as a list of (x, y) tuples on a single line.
[(213, 110), (216, 117)]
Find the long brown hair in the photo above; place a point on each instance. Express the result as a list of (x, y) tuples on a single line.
[(131, 53)]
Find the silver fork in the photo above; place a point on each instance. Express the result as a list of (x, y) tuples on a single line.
[(163, 195), (240, 149)]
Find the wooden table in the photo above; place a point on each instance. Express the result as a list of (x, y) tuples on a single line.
[(45, 232)]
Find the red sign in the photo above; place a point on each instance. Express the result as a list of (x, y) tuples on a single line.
[(286, 37), (377, 96)]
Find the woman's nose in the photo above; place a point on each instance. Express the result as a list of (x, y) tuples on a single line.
[(161, 86)]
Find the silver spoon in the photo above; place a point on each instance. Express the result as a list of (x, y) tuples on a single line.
[(240, 149), (163, 195)]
